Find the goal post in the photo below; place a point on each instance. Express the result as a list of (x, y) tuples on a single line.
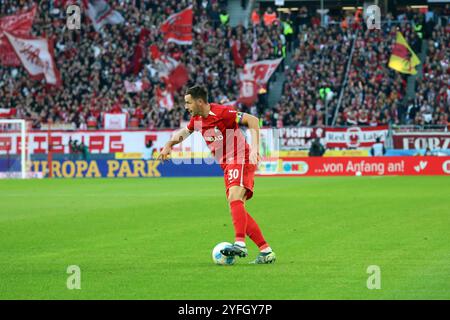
[(13, 148)]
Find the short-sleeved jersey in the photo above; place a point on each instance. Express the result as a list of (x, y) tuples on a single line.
[(221, 132)]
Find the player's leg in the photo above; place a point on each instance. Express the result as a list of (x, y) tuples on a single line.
[(266, 255), (236, 196), (239, 180)]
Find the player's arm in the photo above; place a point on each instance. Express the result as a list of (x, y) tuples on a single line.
[(252, 123), (176, 138)]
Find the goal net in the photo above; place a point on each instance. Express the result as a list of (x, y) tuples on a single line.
[(13, 149)]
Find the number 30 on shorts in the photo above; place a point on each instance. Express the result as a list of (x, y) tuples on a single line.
[(233, 174)]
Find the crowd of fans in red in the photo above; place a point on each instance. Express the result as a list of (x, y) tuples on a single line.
[(374, 94), (94, 66)]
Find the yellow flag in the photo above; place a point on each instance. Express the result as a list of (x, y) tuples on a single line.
[(403, 59)]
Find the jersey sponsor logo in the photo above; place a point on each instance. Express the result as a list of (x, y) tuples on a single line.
[(216, 136)]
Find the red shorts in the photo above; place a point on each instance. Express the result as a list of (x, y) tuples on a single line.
[(240, 175)]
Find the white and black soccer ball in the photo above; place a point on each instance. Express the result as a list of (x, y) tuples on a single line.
[(219, 258)]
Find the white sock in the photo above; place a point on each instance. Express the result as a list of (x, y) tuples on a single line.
[(240, 243), (266, 250)]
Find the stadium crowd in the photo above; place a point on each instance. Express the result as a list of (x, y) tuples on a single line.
[(374, 93), (94, 66)]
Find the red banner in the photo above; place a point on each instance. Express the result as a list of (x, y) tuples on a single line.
[(178, 27), (18, 24), (356, 166), (422, 140)]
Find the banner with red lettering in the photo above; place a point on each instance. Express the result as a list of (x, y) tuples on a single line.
[(355, 166), (354, 137), (178, 27), (37, 57), (19, 24), (422, 140), (97, 141)]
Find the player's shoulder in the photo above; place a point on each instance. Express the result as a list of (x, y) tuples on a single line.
[(220, 110)]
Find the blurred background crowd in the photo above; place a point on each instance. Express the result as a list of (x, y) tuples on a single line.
[(94, 66)]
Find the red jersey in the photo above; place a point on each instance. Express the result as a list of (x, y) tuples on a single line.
[(221, 132)]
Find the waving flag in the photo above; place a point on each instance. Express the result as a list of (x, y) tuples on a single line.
[(18, 24), (238, 60), (101, 13), (136, 63), (7, 113), (178, 27), (164, 97), (37, 57), (255, 78), (137, 86), (403, 59), (172, 72)]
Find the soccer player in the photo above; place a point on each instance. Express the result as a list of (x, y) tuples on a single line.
[(219, 126)]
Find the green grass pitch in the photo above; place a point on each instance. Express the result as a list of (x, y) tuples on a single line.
[(152, 238)]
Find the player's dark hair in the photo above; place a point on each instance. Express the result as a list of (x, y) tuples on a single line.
[(198, 92)]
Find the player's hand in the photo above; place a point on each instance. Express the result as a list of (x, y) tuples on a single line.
[(165, 154), (254, 157)]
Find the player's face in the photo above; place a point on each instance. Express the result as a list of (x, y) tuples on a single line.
[(191, 105)]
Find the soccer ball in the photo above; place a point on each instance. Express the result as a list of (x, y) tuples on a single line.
[(219, 258)]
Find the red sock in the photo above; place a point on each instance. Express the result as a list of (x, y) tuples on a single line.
[(239, 219), (255, 233)]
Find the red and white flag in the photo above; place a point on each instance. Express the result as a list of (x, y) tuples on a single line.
[(137, 86), (178, 27), (37, 57), (7, 113), (101, 13), (165, 98), (261, 71), (18, 24), (248, 92), (172, 72), (254, 78)]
